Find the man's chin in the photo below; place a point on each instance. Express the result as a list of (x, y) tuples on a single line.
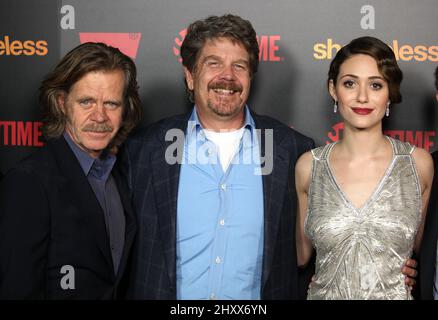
[(226, 111), (95, 148)]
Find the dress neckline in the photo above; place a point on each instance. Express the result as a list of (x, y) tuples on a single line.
[(378, 187)]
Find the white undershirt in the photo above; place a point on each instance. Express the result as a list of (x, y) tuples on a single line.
[(226, 143)]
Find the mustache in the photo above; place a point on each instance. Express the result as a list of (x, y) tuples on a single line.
[(96, 127), (225, 85)]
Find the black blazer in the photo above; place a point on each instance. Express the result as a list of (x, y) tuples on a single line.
[(49, 218), (429, 243), (154, 189)]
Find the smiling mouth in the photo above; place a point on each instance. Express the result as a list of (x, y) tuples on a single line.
[(225, 91), (362, 111)]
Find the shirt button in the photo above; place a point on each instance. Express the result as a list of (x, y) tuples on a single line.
[(223, 186), (218, 260), (212, 296), (112, 247), (222, 222)]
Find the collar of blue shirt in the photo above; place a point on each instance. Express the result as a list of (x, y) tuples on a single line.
[(194, 127)]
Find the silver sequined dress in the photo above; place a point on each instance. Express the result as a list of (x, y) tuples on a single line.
[(360, 252)]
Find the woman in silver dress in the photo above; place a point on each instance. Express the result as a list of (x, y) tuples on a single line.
[(362, 200)]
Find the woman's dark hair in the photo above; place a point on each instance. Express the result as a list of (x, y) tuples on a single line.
[(382, 54)]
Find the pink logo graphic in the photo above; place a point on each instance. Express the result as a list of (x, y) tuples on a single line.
[(178, 43), (125, 42), (335, 135)]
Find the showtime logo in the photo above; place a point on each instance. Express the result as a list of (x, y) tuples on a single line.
[(126, 42), (421, 139), (21, 133), (268, 46)]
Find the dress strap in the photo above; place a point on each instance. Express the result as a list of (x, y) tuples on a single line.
[(322, 152), (401, 148)]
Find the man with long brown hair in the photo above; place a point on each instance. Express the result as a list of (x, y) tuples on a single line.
[(65, 224)]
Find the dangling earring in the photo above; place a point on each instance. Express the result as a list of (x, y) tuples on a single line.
[(335, 107), (387, 108)]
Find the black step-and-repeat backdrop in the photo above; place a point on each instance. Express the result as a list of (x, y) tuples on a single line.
[(297, 41)]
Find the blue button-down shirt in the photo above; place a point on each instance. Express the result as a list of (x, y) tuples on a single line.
[(219, 218), (98, 173)]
